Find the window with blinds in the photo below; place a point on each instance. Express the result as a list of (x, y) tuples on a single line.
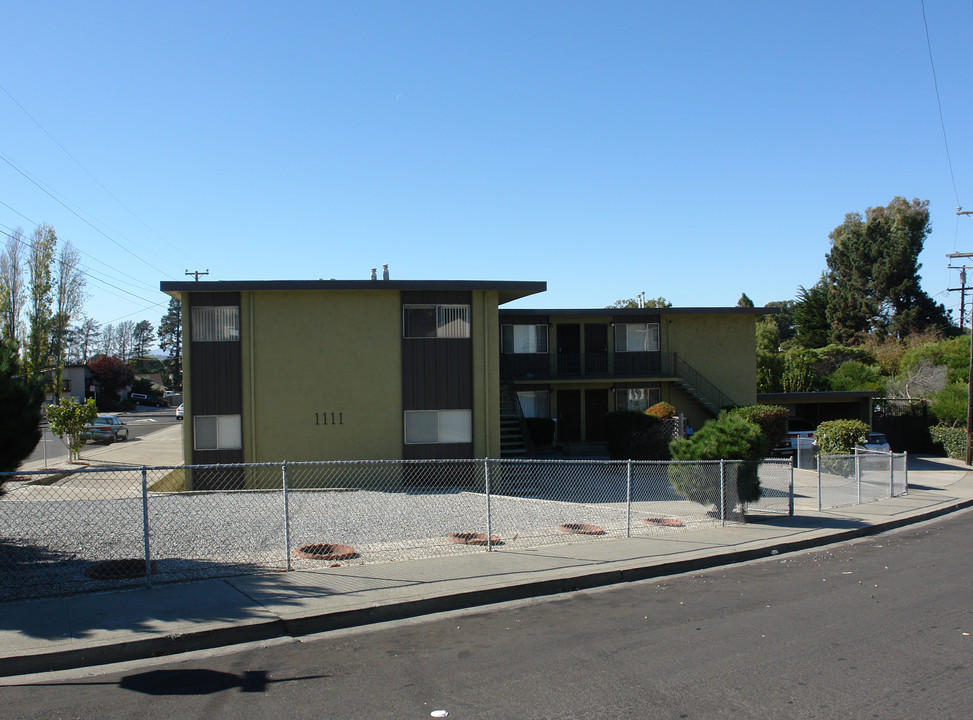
[(436, 321), (216, 323)]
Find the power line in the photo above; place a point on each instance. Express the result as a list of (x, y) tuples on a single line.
[(939, 103), (93, 178), (77, 214)]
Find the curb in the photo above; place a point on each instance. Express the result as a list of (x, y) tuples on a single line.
[(168, 645)]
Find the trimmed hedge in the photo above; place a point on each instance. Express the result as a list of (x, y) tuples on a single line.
[(772, 420), (950, 441), (636, 436), (541, 431), (662, 410), (839, 437)]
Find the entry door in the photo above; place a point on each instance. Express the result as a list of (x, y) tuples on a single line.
[(595, 349), (595, 411), (569, 416), (569, 349)]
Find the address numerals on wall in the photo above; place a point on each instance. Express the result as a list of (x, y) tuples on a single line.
[(328, 418)]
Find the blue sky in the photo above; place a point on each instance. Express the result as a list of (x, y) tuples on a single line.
[(691, 150)]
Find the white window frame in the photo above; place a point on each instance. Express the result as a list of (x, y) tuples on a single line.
[(216, 323), (650, 344), (452, 426), (624, 398), (530, 342), (452, 321), (229, 431)]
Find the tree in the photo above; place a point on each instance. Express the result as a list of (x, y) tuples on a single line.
[(85, 336), (811, 314), (20, 409), (67, 419), (109, 341), (170, 338), (40, 287), (744, 301), (12, 287), (112, 375), (143, 335), (69, 297), (125, 339), (873, 273), (659, 302)]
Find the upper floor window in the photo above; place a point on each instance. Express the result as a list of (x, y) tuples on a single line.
[(517, 339), (636, 337), (216, 323), (436, 321)]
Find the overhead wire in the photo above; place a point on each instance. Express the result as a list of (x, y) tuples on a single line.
[(942, 122), (89, 174)]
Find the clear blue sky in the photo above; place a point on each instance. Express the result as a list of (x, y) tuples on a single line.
[(691, 150)]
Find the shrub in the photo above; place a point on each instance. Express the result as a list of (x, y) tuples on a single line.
[(950, 441), (541, 431), (20, 410), (729, 437), (771, 419), (949, 405), (839, 437), (636, 436), (662, 410)]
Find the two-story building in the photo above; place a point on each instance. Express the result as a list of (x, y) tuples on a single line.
[(404, 369)]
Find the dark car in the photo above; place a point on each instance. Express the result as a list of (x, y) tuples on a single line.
[(143, 399), (105, 429)]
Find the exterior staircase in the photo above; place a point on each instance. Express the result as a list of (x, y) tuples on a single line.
[(514, 438)]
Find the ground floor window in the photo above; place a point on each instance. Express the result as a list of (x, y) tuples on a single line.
[(637, 399), (217, 432), (438, 426), (535, 403)]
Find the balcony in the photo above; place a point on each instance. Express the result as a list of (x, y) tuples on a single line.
[(587, 365)]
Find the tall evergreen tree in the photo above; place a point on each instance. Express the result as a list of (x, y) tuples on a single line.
[(12, 287), (170, 338), (40, 288), (811, 314), (20, 409), (873, 271)]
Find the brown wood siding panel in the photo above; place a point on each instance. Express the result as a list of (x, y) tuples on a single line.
[(437, 374), (216, 372)]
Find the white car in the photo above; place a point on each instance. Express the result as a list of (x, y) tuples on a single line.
[(876, 442), (179, 412)]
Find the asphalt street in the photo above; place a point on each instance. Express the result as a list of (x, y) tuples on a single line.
[(878, 627), (140, 422)]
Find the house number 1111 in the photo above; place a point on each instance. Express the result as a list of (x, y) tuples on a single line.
[(322, 418)]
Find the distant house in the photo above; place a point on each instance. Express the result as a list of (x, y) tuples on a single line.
[(338, 369), (75, 382)]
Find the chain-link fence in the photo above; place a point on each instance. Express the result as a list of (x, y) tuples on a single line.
[(859, 478), (98, 528)]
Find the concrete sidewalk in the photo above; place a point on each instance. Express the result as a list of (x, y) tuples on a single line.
[(91, 629)]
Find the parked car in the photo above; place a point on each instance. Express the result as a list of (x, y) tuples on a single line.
[(179, 412), (143, 399), (798, 430), (875, 442), (105, 429)]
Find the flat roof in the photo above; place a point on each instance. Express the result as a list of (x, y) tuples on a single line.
[(645, 311), (507, 290)]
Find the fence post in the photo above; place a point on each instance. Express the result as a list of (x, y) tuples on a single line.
[(145, 528), (790, 492), (905, 471), (723, 493), (628, 499), (858, 477), (891, 475), (486, 481), (287, 518), (820, 487)]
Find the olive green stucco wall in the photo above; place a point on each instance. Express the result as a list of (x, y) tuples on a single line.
[(722, 347), (322, 375)]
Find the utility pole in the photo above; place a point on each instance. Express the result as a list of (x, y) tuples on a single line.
[(969, 394), (197, 273)]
